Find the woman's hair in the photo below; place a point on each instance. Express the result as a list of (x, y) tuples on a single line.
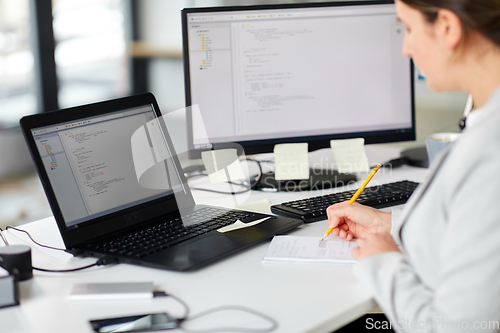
[(482, 16)]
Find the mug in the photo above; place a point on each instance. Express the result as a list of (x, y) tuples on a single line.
[(438, 142)]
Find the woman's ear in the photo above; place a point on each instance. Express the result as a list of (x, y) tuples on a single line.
[(449, 28)]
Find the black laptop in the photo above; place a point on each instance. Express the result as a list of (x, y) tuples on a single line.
[(116, 188)]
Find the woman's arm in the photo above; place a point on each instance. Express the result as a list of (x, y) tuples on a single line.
[(467, 291)]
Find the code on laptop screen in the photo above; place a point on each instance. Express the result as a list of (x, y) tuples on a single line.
[(90, 164)]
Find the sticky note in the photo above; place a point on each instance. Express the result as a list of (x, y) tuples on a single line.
[(350, 155), (240, 225), (221, 163), (291, 161)]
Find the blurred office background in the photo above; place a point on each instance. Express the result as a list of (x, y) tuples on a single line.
[(62, 53)]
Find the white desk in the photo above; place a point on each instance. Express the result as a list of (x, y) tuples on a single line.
[(301, 297)]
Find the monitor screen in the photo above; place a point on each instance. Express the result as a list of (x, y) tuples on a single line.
[(263, 75)]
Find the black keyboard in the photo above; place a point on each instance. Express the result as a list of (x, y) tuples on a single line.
[(314, 209), (160, 236)]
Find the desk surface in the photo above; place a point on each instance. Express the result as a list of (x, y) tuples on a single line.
[(300, 297)]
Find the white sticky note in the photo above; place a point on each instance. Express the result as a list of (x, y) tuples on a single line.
[(220, 163), (240, 225), (350, 155), (291, 161), (262, 206)]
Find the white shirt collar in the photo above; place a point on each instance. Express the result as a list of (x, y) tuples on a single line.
[(471, 118), (474, 115)]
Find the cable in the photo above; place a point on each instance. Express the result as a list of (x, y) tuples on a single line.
[(201, 174), (101, 262), (273, 322), (220, 192), (64, 270), (104, 261), (111, 260), (257, 181), (34, 241), (3, 237), (251, 187), (215, 191), (186, 317), (186, 307)]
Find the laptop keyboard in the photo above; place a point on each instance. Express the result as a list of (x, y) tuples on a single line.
[(158, 237)]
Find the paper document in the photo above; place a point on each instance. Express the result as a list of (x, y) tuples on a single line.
[(291, 161), (350, 155), (310, 249)]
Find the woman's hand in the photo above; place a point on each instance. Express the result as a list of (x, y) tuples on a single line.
[(357, 221), (374, 244)]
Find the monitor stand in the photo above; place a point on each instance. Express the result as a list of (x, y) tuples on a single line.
[(319, 179)]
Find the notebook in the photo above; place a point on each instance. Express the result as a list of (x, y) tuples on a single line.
[(116, 188), (299, 249)]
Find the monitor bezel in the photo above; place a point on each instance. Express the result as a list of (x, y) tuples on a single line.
[(315, 142)]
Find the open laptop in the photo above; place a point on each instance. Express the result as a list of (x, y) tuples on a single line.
[(116, 188)]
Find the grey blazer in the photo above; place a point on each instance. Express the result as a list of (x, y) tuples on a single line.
[(448, 276)]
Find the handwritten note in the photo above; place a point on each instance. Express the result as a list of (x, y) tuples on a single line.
[(350, 155), (291, 161), (310, 249)]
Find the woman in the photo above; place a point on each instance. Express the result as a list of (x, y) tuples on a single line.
[(446, 275)]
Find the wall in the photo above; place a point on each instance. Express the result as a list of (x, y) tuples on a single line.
[(14, 155), (435, 112)]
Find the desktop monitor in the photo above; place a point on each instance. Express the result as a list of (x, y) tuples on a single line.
[(312, 72)]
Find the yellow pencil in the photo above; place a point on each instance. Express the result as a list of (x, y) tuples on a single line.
[(356, 195)]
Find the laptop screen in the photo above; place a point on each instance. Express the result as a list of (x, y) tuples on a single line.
[(91, 167)]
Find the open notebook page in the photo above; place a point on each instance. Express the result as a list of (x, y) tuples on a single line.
[(310, 249)]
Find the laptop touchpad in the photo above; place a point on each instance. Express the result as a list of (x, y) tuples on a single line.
[(214, 245)]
